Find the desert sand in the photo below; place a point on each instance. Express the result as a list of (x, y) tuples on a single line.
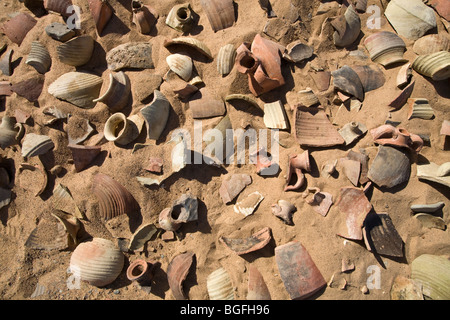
[(23, 269)]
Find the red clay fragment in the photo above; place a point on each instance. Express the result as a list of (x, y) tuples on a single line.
[(232, 187), (255, 242), (299, 273), (177, 272), (257, 288), (17, 28), (398, 137)]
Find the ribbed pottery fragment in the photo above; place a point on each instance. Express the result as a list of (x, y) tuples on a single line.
[(275, 116), (432, 272), (78, 88), (156, 115), (420, 108), (181, 64), (219, 286), (435, 65), (77, 51), (431, 43), (190, 42), (385, 48), (220, 13), (118, 91), (225, 59), (39, 57)]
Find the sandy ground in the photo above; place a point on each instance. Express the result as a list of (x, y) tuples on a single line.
[(22, 269)]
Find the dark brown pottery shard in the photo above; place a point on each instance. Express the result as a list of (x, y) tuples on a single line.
[(313, 128), (29, 89), (381, 236), (257, 288), (177, 272), (5, 63), (347, 80), (255, 242), (83, 155), (390, 167), (354, 204), (402, 98), (299, 273)]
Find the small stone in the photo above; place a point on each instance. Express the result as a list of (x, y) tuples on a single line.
[(117, 291), (364, 289), (60, 31)]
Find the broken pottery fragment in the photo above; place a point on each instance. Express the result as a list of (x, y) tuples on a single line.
[(389, 135), (231, 187), (219, 286), (264, 164), (284, 210), (313, 128), (83, 155), (35, 145), (257, 288), (140, 237), (30, 89), (256, 241), (133, 55), (181, 64), (204, 105), (59, 31), (297, 163), (156, 115), (190, 42), (299, 273), (354, 206), (242, 97), (248, 205), (420, 108), (435, 173), (403, 14), (122, 130), (297, 51), (183, 210), (305, 98), (62, 200), (405, 289), (431, 43), (220, 13), (18, 27), (432, 272), (435, 65), (352, 131), (10, 132), (267, 7), (364, 160), (155, 165), (427, 208), (404, 75), (39, 57), (275, 116), (390, 167), (441, 7), (177, 271), (329, 168), (77, 51), (225, 59), (180, 18), (144, 16), (5, 63), (5, 88), (348, 81), (41, 175), (320, 202), (117, 93), (385, 48), (48, 235), (347, 27), (445, 128), (351, 169), (321, 79), (403, 96), (430, 221), (63, 7), (380, 235), (371, 77), (78, 129), (101, 12)]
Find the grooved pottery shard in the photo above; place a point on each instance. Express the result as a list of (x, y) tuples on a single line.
[(381, 236), (134, 55), (313, 128), (275, 116), (410, 18), (432, 272), (354, 204), (390, 167), (299, 273), (220, 13)]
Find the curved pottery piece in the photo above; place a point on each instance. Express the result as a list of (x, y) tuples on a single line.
[(441, 7), (354, 204), (10, 132), (347, 26), (77, 51), (78, 88), (435, 66), (177, 271), (427, 208), (257, 288), (320, 202), (431, 43), (220, 13), (225, 59), (284, 210), (122, 130), (180, 18), (49, 234), (140, 237), (134, 55), (59, 6), (204, 105), (113, 198), (307, 98), (275, 116), (403, 14), (98, 262), (219, 285), (83, 155), (405, 289), (185, 209), (144, 17), (352, 131), (371, 77), (192, 43), (140, 271), (59, 31), (420, 108), (390, 167), (398, 137), (246, 98), (231, 187), (297, 51), (313, 128), (299, 273), (41, 173), (435, 173), (101, 12), (248, 205), (62, 201), (34, 145), (5, 63), (385, 48), (348, 81), (180, 64), (432, 272), (117, 94), (17, 28), (430, 221), (381, 236), (156, 115), (39, 58), (296, 164), (404, 76)]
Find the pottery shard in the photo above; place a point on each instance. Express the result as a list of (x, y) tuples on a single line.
[(257, 288), (204, 105), (232, 187), (299, 273), (442, 7), (410, 18), (60, 31), (390, 167), (313, 128), (134, 55), (255, 242), (381, 236)]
